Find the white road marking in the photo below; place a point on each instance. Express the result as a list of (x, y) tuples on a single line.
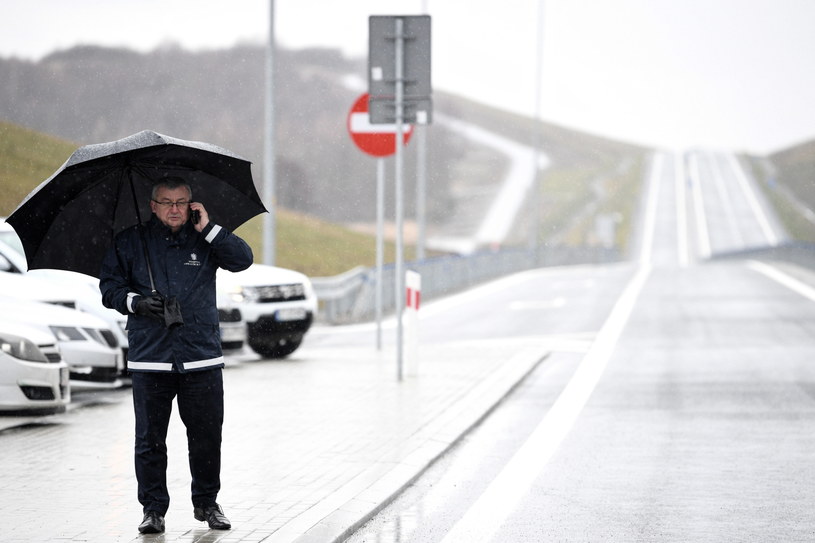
[(651, 209), (496, 503), (681, 210), (702, 234), (752, 199), (780, 277), (726, 200)]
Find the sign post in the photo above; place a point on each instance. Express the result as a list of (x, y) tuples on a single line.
[(378, 141), (399, 87)]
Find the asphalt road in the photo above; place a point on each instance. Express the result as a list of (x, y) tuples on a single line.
[(677, 404)]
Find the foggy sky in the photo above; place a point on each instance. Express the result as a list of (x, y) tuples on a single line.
[(726, 74)]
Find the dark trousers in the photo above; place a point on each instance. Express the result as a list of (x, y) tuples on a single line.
[(201, 407)]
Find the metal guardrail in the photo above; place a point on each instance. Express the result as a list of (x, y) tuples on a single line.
[(351, 296)]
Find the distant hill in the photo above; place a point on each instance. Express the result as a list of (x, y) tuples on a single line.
[(308, 244), (789, 178), (795, 168), (92, 94)]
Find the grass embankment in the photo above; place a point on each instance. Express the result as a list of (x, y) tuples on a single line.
[(314, 247)]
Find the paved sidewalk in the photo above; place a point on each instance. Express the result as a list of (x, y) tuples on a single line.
[(313, 445)]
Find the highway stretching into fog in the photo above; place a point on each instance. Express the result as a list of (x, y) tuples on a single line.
[(676, 403)]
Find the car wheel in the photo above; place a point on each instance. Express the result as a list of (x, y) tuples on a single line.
[(280, 349)]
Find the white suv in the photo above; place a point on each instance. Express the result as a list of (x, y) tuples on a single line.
[(277, 304)]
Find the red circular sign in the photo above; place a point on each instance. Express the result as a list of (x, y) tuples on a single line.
[(375, 139)]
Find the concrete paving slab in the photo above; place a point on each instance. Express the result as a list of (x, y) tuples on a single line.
[(313, 446)]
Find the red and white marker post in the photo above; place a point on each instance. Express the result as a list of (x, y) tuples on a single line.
[(410, 316)]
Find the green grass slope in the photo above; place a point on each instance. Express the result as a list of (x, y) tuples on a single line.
[(314, 247)]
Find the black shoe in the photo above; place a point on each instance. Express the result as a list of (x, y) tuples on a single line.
[(214, 516), (153, 523)]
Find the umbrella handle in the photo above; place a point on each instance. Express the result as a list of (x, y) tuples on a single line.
[(147, 259), (141, 230)]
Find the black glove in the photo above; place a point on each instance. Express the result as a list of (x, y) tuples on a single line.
[(151, 306), (172, 313)]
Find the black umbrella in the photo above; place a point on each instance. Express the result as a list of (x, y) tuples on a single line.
[(69, 221)]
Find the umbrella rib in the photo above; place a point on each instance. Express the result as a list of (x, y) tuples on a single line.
[(140, 226)]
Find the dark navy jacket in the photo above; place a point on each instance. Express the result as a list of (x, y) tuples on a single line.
[(184, 266)]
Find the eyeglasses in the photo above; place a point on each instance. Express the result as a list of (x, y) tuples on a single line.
[(181, 204)]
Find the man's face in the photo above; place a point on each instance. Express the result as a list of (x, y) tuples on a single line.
[(173, 216)]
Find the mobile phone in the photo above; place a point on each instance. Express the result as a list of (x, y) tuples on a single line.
[(195, 216)]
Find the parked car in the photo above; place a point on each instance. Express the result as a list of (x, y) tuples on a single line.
[(86, 343), (277, 304), (81, 291), (232, 325), (33, 377)]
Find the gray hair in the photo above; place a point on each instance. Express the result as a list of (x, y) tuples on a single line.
[(170, 183)]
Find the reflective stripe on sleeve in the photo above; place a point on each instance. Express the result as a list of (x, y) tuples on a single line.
[(130, 296), (213, 233)]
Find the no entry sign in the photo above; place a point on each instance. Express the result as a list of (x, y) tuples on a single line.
[(374, 139)]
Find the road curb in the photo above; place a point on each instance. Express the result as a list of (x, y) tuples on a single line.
[(339, 514)]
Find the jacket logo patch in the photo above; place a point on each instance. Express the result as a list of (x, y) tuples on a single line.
[(193, 261)]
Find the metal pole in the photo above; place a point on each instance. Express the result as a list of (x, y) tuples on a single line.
[(421, 181), (380, 244), (536, 211), (421, 184), (269, 233), (400, 295)]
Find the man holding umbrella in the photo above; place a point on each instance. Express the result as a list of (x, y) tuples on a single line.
[(86, 217), (162, 275)]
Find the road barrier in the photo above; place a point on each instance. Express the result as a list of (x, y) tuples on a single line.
[(350, 297)]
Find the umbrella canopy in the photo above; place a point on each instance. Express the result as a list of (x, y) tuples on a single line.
[(70, 220)]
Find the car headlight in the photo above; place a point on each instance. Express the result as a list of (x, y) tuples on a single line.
[(21, 348), (67, 333), (102, 336), (243, 294)]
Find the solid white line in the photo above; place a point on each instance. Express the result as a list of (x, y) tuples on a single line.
[(780, 277), (483, 519), (651, 208), (752, 199), (489, 511), (702, 234), (681, 210), (726, 200)]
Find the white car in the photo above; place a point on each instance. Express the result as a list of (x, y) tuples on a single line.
[(33, 376), (277, 304), (87, 343), (89, 298)]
